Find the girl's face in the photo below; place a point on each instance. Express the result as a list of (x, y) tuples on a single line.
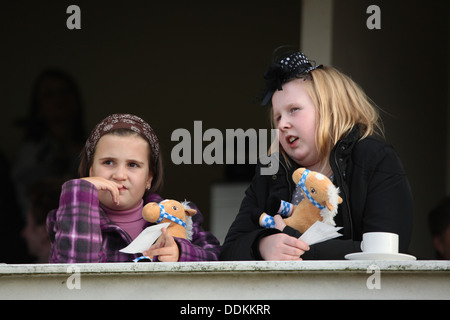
[(295, 116), (125, 160)]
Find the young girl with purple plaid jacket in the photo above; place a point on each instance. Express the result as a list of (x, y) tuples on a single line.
[(101, 213)]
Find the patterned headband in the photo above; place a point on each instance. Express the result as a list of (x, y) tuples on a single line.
[(123, 121), (284, 68)]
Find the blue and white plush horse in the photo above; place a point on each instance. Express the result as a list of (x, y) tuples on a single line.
[(176, 213), (320, 202)]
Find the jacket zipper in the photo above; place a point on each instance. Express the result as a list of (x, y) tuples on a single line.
[(341, 179)]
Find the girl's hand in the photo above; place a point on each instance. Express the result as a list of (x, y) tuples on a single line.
[(103, 184), (279, 222), (281, 246), (165, 248)]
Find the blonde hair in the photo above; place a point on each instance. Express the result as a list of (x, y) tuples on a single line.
[(341, 105)]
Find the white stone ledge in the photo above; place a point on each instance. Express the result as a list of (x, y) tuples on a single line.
[(230, 266), (421, 279)]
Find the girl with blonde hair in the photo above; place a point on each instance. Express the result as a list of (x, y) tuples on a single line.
[(327, 124)]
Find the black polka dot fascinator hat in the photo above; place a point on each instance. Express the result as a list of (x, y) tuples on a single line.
[(284, 67)]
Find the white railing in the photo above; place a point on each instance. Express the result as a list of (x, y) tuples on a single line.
[(421, 279)]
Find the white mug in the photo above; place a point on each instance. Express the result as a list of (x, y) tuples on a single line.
[(380, 242)]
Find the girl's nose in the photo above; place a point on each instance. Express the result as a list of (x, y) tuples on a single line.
[(120, 174), (284, 124)]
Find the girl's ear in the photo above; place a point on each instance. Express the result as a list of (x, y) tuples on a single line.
[(90, 171)]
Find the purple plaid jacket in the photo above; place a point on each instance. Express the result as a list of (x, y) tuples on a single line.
[(81, 232)]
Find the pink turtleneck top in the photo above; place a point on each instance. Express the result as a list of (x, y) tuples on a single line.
[(130, 221)]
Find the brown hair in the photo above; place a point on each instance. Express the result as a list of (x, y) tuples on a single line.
[(124, 125)]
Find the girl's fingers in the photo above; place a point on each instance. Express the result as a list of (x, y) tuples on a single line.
[(281, 246), (115, 192), (166, 248), (167, 237), (103, 184), (296, 243), (112, 188), (279, 222)]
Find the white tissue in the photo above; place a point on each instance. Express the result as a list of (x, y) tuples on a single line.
[(145, 239), (320, 232)]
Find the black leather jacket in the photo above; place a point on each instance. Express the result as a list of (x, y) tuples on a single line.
[(376, 193)]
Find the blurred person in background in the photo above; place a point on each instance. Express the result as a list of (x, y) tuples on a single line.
[(43, 197), (54, 133), (439, 223)]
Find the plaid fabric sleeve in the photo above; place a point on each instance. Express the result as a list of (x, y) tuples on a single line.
[(204, 245), (74, 227)]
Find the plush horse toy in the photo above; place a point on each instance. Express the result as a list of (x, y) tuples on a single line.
[(320, 202), (170, 214), (176, 213)]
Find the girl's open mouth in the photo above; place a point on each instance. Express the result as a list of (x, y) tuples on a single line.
[(291, 139)]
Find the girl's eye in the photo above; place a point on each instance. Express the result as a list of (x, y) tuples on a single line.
[(294, 110), (133, 165), (108, 162)]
